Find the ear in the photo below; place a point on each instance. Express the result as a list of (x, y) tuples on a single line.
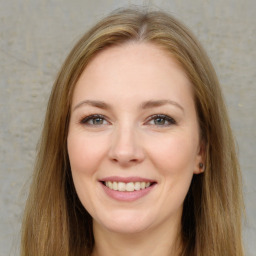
[(200, 159)]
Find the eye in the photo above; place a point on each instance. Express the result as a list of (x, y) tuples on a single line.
[(161, 120), (94, 120)]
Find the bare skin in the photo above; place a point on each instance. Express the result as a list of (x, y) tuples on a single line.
[(146, 243), (133, 117)]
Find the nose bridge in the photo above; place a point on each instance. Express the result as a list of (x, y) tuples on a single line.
[(125, 145)]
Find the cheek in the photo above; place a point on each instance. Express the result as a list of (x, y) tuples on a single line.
[(174, 155), (174, 160), (85, 156), (85, 153)]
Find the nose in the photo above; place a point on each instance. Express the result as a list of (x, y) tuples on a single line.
[(126, 147)]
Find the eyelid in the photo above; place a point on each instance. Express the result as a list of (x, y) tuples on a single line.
[(86, 119), (171, 121), (163, 116)]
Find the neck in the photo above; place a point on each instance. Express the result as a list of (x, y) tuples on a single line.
[(153, 242)]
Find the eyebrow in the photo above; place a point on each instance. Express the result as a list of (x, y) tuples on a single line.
[(144, 105), (159, 103), (93, 103)]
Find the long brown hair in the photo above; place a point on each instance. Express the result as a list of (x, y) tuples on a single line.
[(55, 222)]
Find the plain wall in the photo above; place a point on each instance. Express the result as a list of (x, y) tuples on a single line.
[(35, 37)]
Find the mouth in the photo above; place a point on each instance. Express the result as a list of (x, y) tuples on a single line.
[(127, 186), (127, 189)]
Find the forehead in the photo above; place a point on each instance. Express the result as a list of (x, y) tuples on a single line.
[(129, 53), (132, 70)]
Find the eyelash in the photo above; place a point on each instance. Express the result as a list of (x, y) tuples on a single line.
[(85, 120), (162, 117)]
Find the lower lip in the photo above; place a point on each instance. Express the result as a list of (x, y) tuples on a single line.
[(127, 196)]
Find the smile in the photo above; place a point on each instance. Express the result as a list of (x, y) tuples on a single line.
[(129, 187)]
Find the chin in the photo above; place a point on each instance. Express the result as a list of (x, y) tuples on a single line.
[(127, 228), (126, 223)]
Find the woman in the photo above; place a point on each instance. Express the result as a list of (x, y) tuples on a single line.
[(137, 155)]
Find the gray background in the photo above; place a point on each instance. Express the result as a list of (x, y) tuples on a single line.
[(35, 37)]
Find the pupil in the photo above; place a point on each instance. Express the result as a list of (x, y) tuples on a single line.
[(159, 121), (98, 121)]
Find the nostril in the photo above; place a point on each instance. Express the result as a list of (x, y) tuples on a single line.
[(125, 160)]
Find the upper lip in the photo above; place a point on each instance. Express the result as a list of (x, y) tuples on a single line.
[(127, 179)]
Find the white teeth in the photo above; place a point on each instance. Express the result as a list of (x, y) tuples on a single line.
[(115, 185), (137, 186), (130, 186), (120, 186), (109, 184)]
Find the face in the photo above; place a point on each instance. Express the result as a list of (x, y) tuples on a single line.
[(133, 138)]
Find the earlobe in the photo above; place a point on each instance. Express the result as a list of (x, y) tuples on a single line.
[(200, 167)]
